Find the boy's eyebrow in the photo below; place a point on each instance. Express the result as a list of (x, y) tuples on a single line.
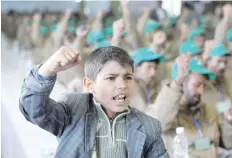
[(127, 74), (112, 74)]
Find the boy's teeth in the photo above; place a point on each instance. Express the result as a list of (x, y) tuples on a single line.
[(120, 98)]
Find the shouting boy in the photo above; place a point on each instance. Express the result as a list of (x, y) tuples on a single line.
[(96, 124)]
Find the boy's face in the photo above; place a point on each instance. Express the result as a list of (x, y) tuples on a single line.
[(112, 87)]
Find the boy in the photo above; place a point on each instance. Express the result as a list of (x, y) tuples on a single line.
[(95, 124)]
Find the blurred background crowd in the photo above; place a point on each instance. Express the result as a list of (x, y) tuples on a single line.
[(130, 25)]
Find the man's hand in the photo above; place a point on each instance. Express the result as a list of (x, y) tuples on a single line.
[(146, 11), (100, 14), (65, 58), (207, 48), (82, 32), (68, 12), (227, 10), (118, 28), (183, 62), (37, 17), (125, 3), (228, 114)]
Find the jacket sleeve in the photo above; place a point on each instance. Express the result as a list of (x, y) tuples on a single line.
[(39, 109), (166, 106), (157, 148)]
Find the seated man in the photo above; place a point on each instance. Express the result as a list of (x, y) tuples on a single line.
[(95, 124), (179, 104), (219, 92), (217, 62), (147, 85)]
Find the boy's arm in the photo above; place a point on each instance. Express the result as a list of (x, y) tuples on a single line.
[(34, 100), (38, 108)]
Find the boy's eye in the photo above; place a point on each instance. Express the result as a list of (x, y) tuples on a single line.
[(110, 78), (129, 78)]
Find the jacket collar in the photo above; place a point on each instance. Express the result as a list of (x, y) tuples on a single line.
[(135, 135)]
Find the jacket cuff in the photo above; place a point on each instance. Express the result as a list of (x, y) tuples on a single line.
[(34, 82)]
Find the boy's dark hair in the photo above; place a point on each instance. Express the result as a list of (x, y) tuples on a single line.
[(97, 59)]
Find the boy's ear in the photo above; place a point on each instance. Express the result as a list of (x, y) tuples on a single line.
[(88, 83)]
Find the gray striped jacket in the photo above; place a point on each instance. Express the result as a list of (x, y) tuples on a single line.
[(74, 120)]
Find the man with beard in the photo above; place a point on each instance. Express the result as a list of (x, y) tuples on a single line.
[(218, 89), (179, 104), (218, 93), (217, 59)]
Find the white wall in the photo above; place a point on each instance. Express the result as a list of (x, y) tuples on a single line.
[(30, 6)]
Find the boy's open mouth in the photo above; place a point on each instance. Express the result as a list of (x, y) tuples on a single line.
[(120, 98)]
